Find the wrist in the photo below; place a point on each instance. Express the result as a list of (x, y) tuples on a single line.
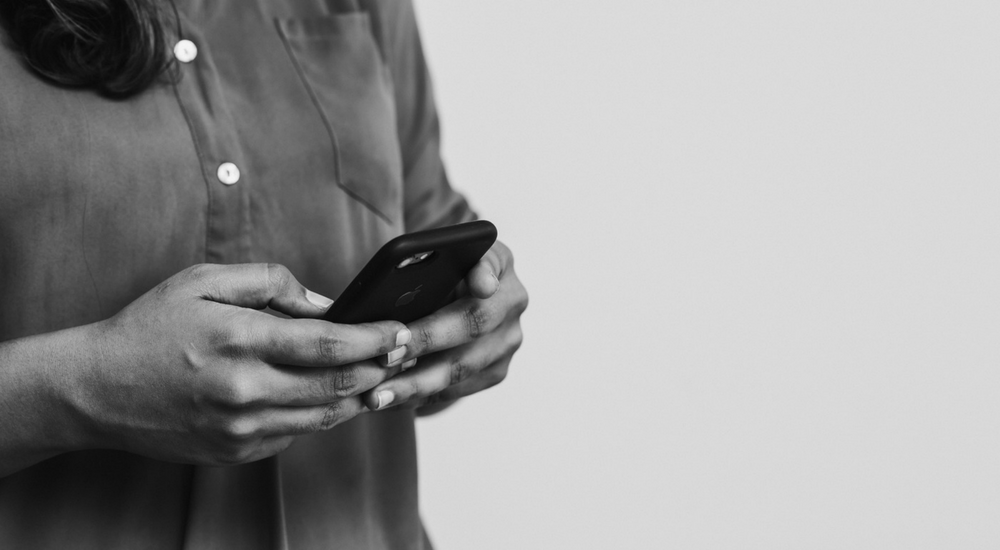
[(69, 382), (37, 381)]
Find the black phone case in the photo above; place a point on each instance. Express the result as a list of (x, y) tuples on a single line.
[(383, 291)]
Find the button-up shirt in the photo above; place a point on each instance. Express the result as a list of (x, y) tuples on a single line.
[(297, 132)]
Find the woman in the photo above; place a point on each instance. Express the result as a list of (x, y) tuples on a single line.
[(165, 173)]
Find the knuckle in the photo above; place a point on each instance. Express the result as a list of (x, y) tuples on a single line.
[(521, 305), (239, 392), (424, 338), (164, 288), (232, 440), (459, 370), (413, 390), (496, 375), (333, 414), (230, 341), (242, 393), (345, 382), (515, 337), (277, 275), (197, 279), (239, 430), (329, 347), (198, 271), (476, 320)]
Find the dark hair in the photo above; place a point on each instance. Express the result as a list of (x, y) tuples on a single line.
[(117, 47)]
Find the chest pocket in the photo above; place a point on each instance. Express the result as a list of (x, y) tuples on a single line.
[(340, 64)]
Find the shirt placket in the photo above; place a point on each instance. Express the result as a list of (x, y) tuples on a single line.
[(199, 92)]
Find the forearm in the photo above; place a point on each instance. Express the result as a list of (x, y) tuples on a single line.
[(36, 376)]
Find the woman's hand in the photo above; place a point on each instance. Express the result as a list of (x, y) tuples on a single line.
[(466, 346), (192, 372)]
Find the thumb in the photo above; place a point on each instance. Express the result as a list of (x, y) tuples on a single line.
[(483, 280), (259, 286)]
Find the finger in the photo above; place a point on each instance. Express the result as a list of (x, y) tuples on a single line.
[(306, 420), (483, 380), (440, 371), (245, 387), (289, 421), (457, 323), (466, 319), (269, 431), (317, 343), (258, 286), (483, 280), (305, 386)]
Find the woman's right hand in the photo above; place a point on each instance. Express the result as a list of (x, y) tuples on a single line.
[(193, 372)]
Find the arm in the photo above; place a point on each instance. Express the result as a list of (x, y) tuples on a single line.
[(191, 372), (35, 423)]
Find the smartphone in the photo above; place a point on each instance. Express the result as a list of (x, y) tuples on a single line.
[(413, 275)]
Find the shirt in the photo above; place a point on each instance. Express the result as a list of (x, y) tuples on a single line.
[(298, 132)]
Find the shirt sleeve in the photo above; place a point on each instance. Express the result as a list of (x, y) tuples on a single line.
[(428, 198)]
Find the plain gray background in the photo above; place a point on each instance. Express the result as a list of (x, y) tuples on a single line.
[(761, 243)]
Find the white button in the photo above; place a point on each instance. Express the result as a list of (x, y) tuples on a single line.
[(185, 51), (228, 173)]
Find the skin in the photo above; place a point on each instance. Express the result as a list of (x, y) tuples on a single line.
[(466, 346), (193, 371)]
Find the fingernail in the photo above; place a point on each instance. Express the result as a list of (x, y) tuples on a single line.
[(403, 337), (318, 299), (395, 356), (496, 282), (385, 398), (409, 364)]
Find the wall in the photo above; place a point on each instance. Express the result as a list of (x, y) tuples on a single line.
[(761, 242)]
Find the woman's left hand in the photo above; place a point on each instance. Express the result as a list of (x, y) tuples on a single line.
[(466, 346)]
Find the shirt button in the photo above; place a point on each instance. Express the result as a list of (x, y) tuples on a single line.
[(185, 51), (228, 173)]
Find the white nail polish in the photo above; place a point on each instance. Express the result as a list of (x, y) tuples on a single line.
[(395, 356), (409, 364), (385, 398), (403, 337), (318, 299)]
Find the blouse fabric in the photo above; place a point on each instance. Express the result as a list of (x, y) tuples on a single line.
[(301, 132)]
